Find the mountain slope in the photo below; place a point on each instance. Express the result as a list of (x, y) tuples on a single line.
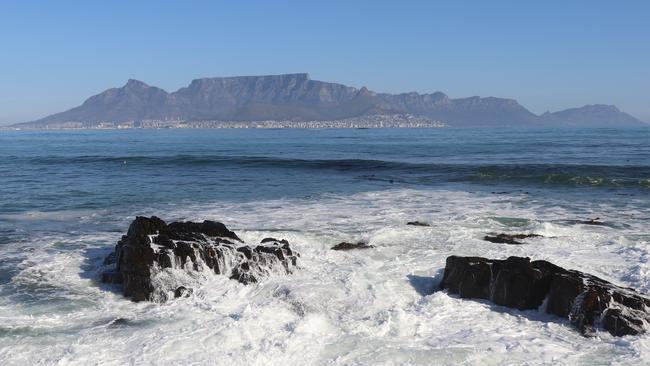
[(591, 115), (297, 97)]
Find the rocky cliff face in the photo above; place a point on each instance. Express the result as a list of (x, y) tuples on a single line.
[(297, 97)]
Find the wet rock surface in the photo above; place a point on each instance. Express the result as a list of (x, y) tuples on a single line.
[(182, 291), (118, 323), (595, 221), (590, 303), (352, 246), (509, 238), (152, 250), (417, 223)]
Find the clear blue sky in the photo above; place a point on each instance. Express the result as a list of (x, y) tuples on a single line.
[(546, 54)]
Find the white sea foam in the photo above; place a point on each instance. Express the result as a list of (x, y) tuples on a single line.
[(340, 308)]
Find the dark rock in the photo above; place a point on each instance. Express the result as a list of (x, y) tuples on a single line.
[(247, 251), (260, 259), (118, 322), (182, 291), (110, 259), (417, 223), (592, 222), (152, 247), (112, 276), (350, 246), (508, 238), (586, 300), (595, 221), (271, 240)]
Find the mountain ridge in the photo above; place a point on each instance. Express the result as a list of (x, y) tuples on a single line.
[(296, 97)]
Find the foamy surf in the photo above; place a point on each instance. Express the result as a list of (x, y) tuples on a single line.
[(377, 306)]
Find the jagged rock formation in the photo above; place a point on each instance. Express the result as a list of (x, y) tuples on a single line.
[(586, 300), (152, 259), (295, 97)]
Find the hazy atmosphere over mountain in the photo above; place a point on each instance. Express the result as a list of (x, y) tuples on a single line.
[(296, 97)]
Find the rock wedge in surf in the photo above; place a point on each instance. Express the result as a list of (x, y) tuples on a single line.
[(590, 303), (151, 261)]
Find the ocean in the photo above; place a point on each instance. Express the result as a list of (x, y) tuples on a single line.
[(66, 197)]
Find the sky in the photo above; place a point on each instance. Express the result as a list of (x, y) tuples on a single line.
[(549, 55)]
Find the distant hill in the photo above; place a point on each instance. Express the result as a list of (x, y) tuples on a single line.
[(295, 97), (596, 114)]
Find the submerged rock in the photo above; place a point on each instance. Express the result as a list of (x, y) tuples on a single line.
[(351, 246), (509, 238), (586, 300), (595, 221), (118, 322), (150, 257), (182, 291), (417, 223)]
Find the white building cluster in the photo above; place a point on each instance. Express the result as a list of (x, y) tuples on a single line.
[(371, 121)]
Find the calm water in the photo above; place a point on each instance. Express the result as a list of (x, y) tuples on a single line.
[(51, 171), (67, 196)]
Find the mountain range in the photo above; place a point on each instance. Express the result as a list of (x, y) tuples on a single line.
[(295, 97)]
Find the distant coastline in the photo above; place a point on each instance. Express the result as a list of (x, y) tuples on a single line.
[(372, 121)]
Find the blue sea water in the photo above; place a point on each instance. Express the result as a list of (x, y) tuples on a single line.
[(67, 196), (60, 170)]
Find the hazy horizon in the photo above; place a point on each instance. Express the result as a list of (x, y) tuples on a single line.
[(549, 56)]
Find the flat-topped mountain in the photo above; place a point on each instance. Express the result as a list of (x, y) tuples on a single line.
[(295, 97)]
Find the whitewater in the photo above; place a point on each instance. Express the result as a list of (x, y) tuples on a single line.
[(67, 197)]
